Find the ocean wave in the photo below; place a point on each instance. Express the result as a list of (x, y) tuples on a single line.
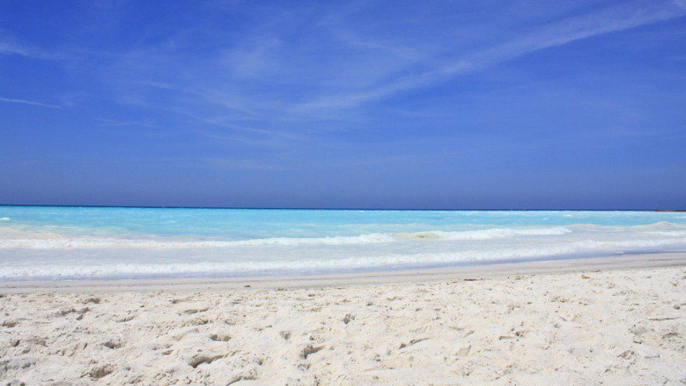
[(487, 233), (95, 243), (670, 233), (53, 241), (112, 269), (118, 270), (18, 238)]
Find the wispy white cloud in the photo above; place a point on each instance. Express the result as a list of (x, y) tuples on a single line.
[(563, 32), (219, 121), (241, 164), (222, 163), (116, 123), (11, 47), (8, 48), (252, 60), (285, 77), (32, 103)]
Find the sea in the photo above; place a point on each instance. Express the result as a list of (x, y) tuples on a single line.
[(103, 243)]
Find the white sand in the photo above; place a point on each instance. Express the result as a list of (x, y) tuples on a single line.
[(589, 323)]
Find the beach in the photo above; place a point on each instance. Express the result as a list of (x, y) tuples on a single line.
[(617, 320), (310, 193)]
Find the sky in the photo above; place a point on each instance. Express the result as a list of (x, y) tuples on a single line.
[(360, 104)]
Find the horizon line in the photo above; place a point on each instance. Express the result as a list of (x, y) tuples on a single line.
[(351, 209)]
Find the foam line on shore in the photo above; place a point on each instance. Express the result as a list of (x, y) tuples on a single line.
[(484, 271)]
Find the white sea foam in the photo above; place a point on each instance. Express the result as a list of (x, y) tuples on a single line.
[(4, 219), (53, 252), (53, 241), (309, 264), (490, 233), (246, 267), (159, 243)]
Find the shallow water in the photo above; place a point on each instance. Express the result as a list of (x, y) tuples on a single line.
[(104, 243)]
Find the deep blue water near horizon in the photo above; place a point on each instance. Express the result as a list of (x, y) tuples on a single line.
[(51, 242)]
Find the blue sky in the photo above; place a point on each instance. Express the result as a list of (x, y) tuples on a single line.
[(402, 104)]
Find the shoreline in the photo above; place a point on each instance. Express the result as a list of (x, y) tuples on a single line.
[(476, 272), (617, 320)]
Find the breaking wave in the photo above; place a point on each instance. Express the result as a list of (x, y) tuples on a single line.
[(54, 241)]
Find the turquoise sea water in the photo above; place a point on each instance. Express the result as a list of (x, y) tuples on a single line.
[(81, 243)]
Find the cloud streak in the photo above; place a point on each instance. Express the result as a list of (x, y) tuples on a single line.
[(7, 48), (31, 103), (116, 123), (612, 20), (277, 79)]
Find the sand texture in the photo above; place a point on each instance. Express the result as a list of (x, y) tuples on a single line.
[(617, 327)]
